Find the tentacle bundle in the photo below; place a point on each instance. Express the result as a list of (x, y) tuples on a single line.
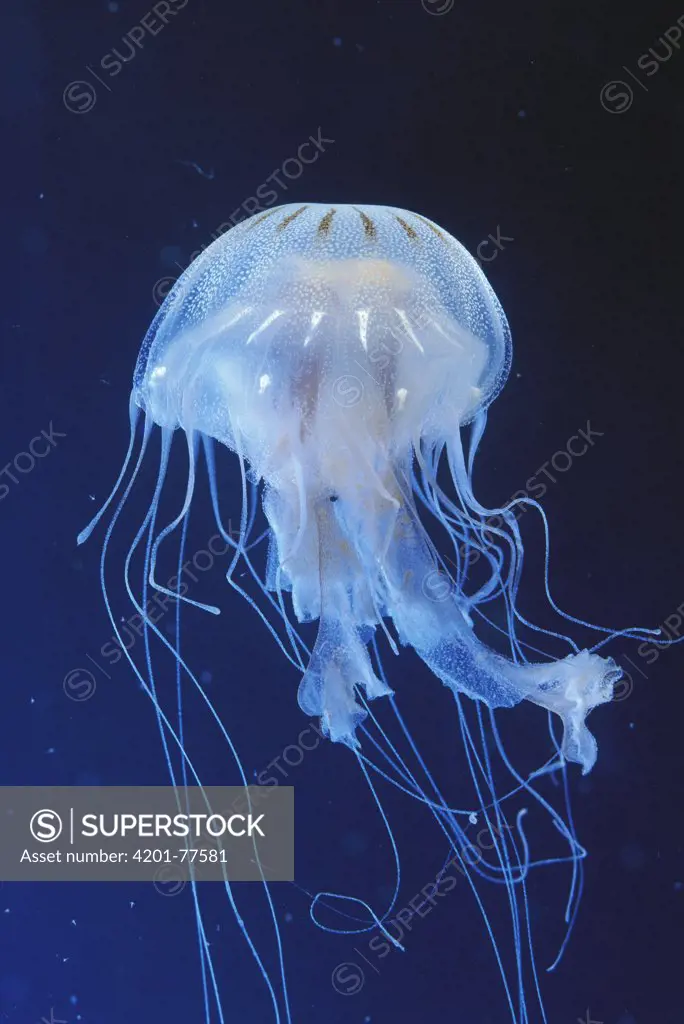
[(356, 574)]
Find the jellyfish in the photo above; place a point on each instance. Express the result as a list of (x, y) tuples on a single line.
[(347, 357)]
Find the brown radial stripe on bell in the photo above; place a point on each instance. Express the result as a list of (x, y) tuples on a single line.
[(368, 225), (324, 226), (408, 229), (288, 220), (269, 213)]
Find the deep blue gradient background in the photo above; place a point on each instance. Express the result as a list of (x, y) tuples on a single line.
[(485, 117)]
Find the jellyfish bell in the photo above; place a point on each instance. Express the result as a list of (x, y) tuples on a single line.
[(339, 351), (289, 306)]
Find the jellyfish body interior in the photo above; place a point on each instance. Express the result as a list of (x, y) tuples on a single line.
[(341, 352)]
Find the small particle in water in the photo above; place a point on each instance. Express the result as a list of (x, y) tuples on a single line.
[(522, 114), (337, 41), (209, 175), (288, 917), (472, 818)]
